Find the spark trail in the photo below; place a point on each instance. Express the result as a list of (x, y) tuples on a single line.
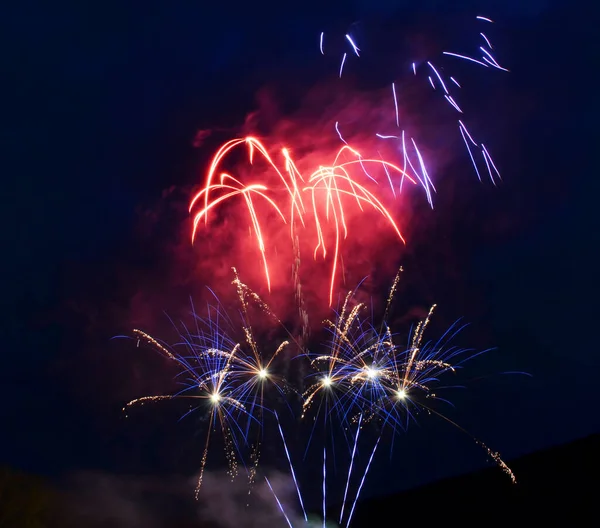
[(321, 198)]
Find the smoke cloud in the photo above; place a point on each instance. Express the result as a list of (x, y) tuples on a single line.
[(96, 499), (369, 245)]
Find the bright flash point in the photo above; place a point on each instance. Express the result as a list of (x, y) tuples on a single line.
[(215, 397), (327, 381), (401, 394), (372, 373), (262, 373)]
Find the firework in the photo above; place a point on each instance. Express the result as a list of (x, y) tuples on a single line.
[(314, 204), (366, 376), (365, 373), (437, 78), (228, 379), (320, 198)]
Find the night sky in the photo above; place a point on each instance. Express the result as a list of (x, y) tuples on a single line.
[(101, 108)]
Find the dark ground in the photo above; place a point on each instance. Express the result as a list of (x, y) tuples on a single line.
[(554, 485)]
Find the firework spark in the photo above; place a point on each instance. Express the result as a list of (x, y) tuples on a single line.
[(315, 204), (368, 371), (227, 379), (321, 198), (364, 372)]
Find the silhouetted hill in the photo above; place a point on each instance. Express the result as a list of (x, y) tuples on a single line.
[(554, 486), (557, 485)]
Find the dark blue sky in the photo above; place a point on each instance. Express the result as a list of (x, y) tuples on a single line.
[(100, 107)]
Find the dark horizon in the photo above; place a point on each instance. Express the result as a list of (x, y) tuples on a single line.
[(105, 107), (552, 482)]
